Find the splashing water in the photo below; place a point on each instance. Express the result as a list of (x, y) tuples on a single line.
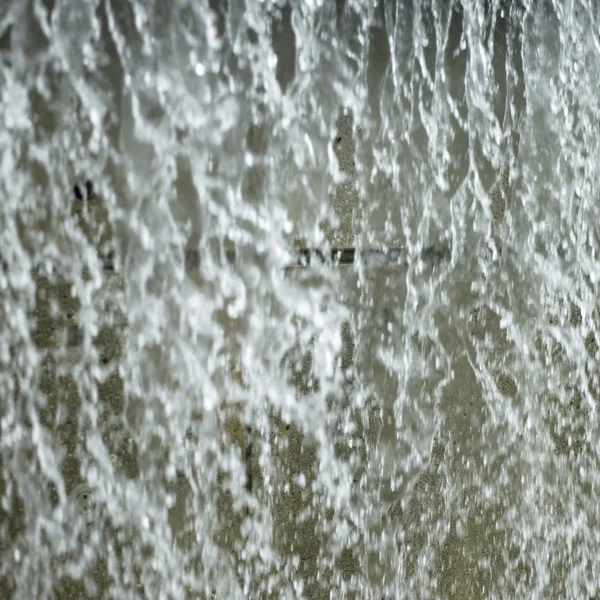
[(183, 415)]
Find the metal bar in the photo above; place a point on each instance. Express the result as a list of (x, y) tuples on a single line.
[(397, 256), (349, 256), (335, 257)]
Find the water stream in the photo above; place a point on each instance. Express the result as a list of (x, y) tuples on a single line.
[(185, 412)]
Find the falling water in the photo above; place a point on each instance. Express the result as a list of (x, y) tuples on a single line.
[(185, 415)]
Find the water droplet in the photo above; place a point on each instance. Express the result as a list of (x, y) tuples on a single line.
[(199, 69)]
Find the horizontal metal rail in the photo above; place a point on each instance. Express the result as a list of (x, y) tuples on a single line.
[(397, 256)]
